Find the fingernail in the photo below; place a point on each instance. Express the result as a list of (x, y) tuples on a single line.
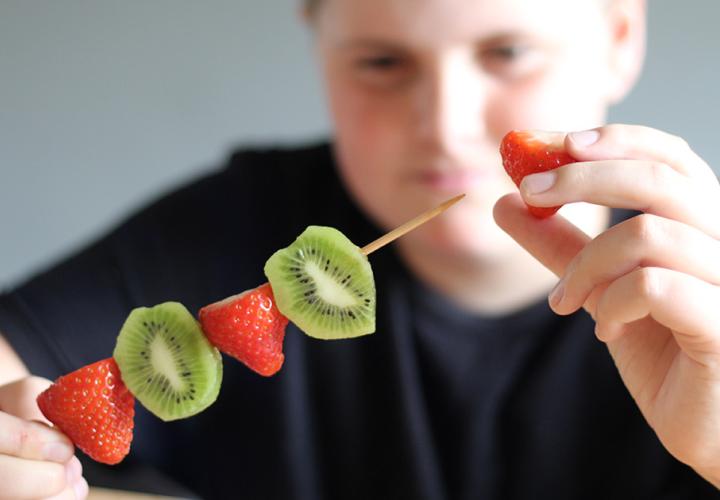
[(57, 451), (556, 295), (584, 138), (539, 183)]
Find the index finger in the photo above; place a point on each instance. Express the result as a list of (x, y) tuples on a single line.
[(642, 185), (33, 440), (637, 142)]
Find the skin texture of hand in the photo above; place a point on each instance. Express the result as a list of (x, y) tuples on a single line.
[(651, 283), (36, 461)]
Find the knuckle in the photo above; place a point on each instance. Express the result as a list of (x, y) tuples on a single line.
[(680, 143), (603, 307), (621, 134), (644, 229), (575, 177), (18, 438), (614, 131), (648, 282), (644, 132), (662, 175)]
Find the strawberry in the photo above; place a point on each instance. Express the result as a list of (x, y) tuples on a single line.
[(94, 409), (530, 152), (249, 327)]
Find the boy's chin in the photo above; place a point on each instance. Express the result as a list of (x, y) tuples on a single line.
[(472, 239)]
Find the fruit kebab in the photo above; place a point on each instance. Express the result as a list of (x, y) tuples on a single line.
[(171, 363)]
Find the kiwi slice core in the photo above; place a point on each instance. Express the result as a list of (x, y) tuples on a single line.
[(324, 284), (166, 361)]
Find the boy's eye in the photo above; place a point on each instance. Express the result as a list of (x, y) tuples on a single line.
[(384, 62), (507, 52), (383, 71), (511, 61)]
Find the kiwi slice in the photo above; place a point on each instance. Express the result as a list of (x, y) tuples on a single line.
[(166, 361), (324, 284)]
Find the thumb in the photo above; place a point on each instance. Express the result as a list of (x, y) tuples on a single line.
[(553, 241), (19, 398)]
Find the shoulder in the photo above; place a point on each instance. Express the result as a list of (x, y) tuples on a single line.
[(254, 187), (268, 195), (317, 156), (281, 170), (250, 178), (218, 230)]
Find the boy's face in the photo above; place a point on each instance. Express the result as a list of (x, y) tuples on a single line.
[(422, 91)]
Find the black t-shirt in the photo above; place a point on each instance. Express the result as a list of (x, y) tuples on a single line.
[(437, 404)]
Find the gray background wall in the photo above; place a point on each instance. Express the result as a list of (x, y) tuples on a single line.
[(103, 104)]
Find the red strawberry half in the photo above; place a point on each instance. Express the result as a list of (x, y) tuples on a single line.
[(530, 152), (249, 327), (94, 409)]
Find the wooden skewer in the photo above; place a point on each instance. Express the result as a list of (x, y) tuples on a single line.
[(409, 225)]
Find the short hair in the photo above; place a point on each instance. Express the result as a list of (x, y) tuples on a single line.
[(311, 6)]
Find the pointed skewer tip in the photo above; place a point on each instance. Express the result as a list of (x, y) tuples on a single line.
[(410, 225)]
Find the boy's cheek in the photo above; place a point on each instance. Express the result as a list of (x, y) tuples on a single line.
[(555, 101)]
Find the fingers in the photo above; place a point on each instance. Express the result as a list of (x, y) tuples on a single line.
[(29, 479), (36, 461), (19, 398), (631, 296), (23, 438), (643, 241), (76, 487), (635, 167), (642, 185), (33, 440), (77, 491), (622, 142), (683, 303)]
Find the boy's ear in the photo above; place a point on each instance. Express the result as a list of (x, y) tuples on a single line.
[(628, 27), (307, 12), (304, 15)]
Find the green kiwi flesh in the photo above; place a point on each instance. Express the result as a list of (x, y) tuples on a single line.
[(166, 361), (324, 284)]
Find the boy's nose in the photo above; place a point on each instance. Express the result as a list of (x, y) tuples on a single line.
[(451, 104)]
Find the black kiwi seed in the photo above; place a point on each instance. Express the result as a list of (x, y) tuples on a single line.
[(319, 305), (171, 368)]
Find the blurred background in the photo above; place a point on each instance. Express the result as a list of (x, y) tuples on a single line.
[(106, 104)]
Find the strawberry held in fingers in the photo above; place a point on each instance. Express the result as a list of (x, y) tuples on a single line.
[(249, 327), (530, 152), (94, 409)]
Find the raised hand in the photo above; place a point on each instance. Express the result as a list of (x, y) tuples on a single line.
[(36, 461), (651, 283)]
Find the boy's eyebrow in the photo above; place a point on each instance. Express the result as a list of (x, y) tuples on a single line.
[(505, 36), (381, 43), (368, 43)]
